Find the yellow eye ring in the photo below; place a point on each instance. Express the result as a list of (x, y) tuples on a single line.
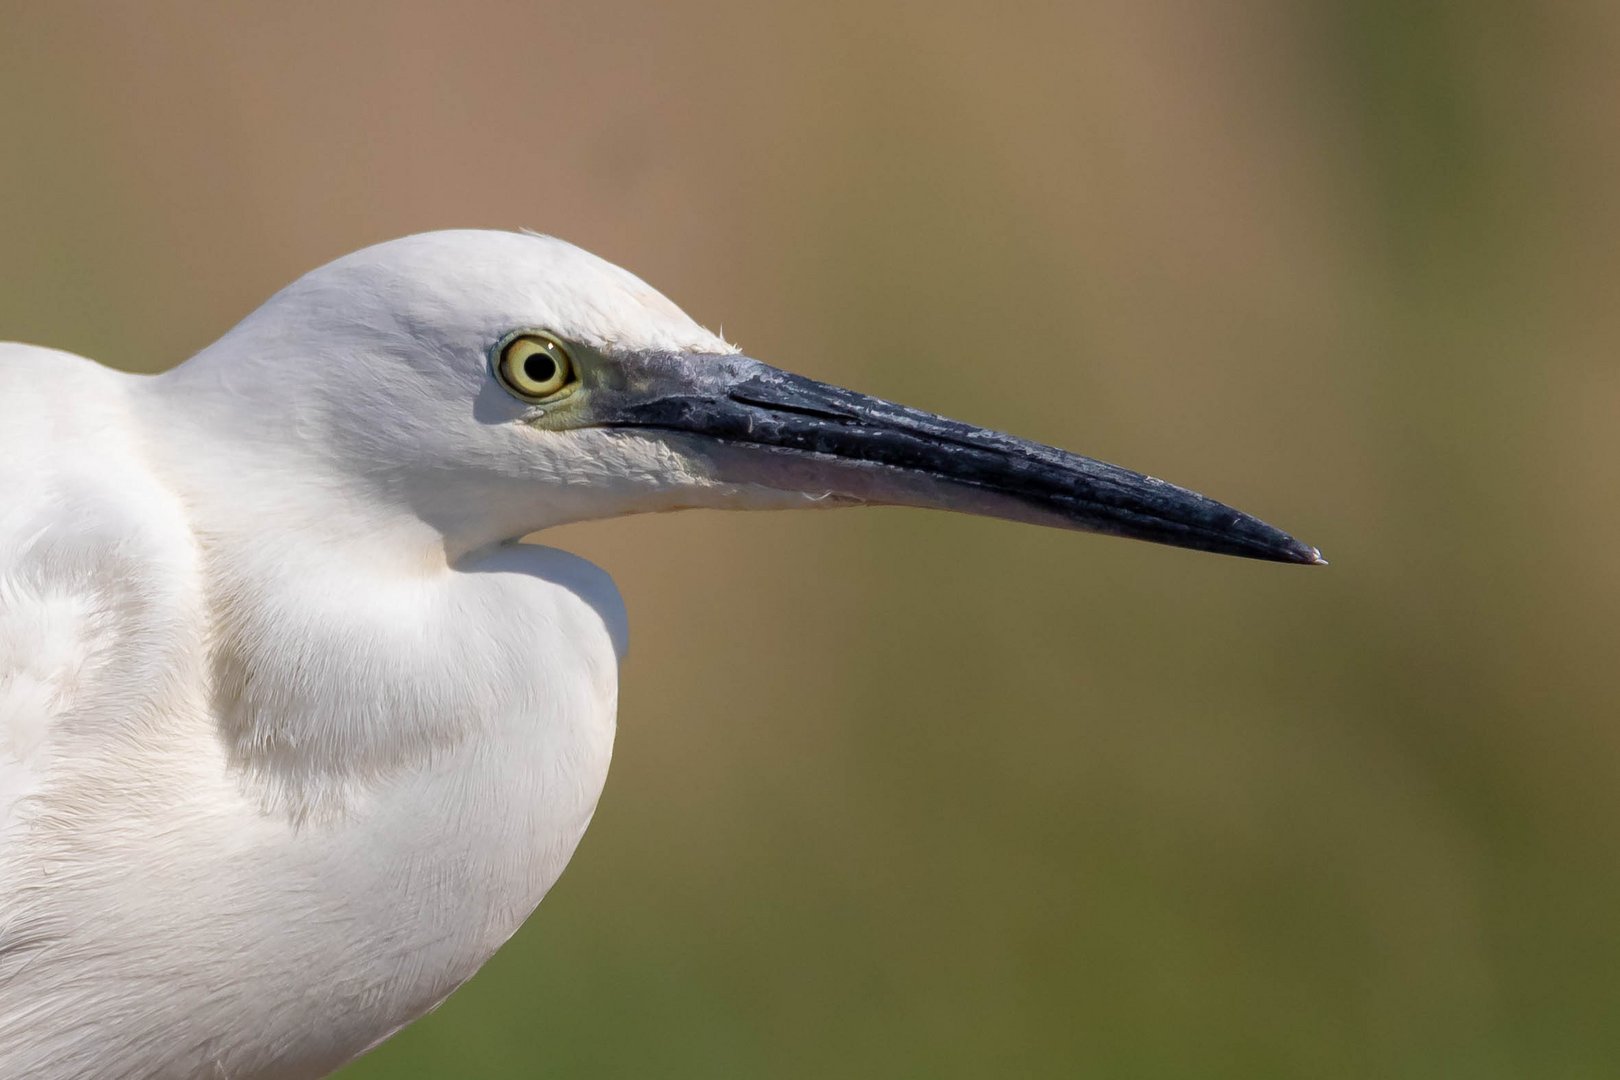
[(535, 367)]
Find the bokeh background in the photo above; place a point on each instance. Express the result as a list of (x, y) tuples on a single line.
[(911, 795)]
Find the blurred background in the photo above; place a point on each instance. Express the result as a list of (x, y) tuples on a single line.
[(910, 795)]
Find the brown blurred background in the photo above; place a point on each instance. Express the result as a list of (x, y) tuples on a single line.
[(912, 795)]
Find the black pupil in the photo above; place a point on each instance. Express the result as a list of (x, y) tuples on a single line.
[(540, 367)]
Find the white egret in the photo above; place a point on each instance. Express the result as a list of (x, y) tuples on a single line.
[(293, 732)]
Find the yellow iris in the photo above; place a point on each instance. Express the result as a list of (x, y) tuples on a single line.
[(535, 367)]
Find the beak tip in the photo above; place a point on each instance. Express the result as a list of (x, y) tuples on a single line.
[(1252, 538), (1307, 555), (1278, 546)]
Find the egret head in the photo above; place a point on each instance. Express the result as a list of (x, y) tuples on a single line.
[(493, 383)]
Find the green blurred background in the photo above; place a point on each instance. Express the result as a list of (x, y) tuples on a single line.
[(911, 795)]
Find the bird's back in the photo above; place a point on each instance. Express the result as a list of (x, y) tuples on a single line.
[(97, 578), (89, 567)]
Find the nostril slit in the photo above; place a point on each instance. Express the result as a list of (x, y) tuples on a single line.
[(794, 408)]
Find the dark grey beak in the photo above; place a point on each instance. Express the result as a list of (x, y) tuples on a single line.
[(768, 426)]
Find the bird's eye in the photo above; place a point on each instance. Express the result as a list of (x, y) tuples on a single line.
[(535, 367)]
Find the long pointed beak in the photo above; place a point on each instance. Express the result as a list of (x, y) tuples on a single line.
[(762, 425)]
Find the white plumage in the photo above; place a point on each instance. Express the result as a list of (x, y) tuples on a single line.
[(267, 762), (292, 734)]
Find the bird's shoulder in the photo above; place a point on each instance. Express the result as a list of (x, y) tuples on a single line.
[(96, 560)]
